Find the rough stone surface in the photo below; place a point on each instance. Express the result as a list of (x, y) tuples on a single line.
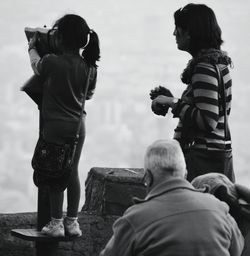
[(96, 232), (110, 191), (9, 245)]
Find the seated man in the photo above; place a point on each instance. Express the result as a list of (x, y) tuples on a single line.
[(235, 195), (174, 219)]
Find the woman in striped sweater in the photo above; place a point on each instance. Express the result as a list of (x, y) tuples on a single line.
[(205, 105)]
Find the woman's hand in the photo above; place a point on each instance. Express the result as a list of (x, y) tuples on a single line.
[(164, 101), (160, 90), (158, 106)]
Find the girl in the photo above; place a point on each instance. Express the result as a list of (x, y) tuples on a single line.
[(65, 77)]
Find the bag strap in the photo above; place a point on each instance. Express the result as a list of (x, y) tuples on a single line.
[(221, 86), (83, 104)]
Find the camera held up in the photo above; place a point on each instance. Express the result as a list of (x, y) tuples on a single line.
[(47, 41)]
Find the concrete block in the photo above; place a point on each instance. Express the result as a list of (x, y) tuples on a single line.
[(110, 191)]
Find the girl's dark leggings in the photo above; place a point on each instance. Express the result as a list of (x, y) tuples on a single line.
[(58, 132)]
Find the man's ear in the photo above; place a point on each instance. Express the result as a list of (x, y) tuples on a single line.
[(150, 178)]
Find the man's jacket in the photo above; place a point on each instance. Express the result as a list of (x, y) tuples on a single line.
[(176, 220)]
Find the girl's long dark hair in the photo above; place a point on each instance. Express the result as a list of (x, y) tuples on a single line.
[(75, 34)]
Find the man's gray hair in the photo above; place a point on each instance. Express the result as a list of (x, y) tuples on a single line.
[(165, 156)]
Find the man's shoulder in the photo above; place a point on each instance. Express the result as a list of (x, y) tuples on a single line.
[(139, 216), (167, 205), (209, 201)]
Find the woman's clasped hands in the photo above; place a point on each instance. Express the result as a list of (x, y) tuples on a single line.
[(162, 99)]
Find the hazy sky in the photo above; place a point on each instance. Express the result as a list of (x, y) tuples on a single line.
[(138, 53)]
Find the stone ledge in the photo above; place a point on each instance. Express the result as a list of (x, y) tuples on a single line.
[(32, 234)]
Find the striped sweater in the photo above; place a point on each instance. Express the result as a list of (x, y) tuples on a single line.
[(200, 109)]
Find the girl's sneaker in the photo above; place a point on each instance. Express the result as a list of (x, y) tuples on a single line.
[(72, 227), (54, 228)]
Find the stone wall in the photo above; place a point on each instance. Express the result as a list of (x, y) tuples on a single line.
[(10, 246), (109, 193), (96, 232)]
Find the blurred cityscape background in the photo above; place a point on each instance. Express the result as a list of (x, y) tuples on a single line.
[(138, 52)]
